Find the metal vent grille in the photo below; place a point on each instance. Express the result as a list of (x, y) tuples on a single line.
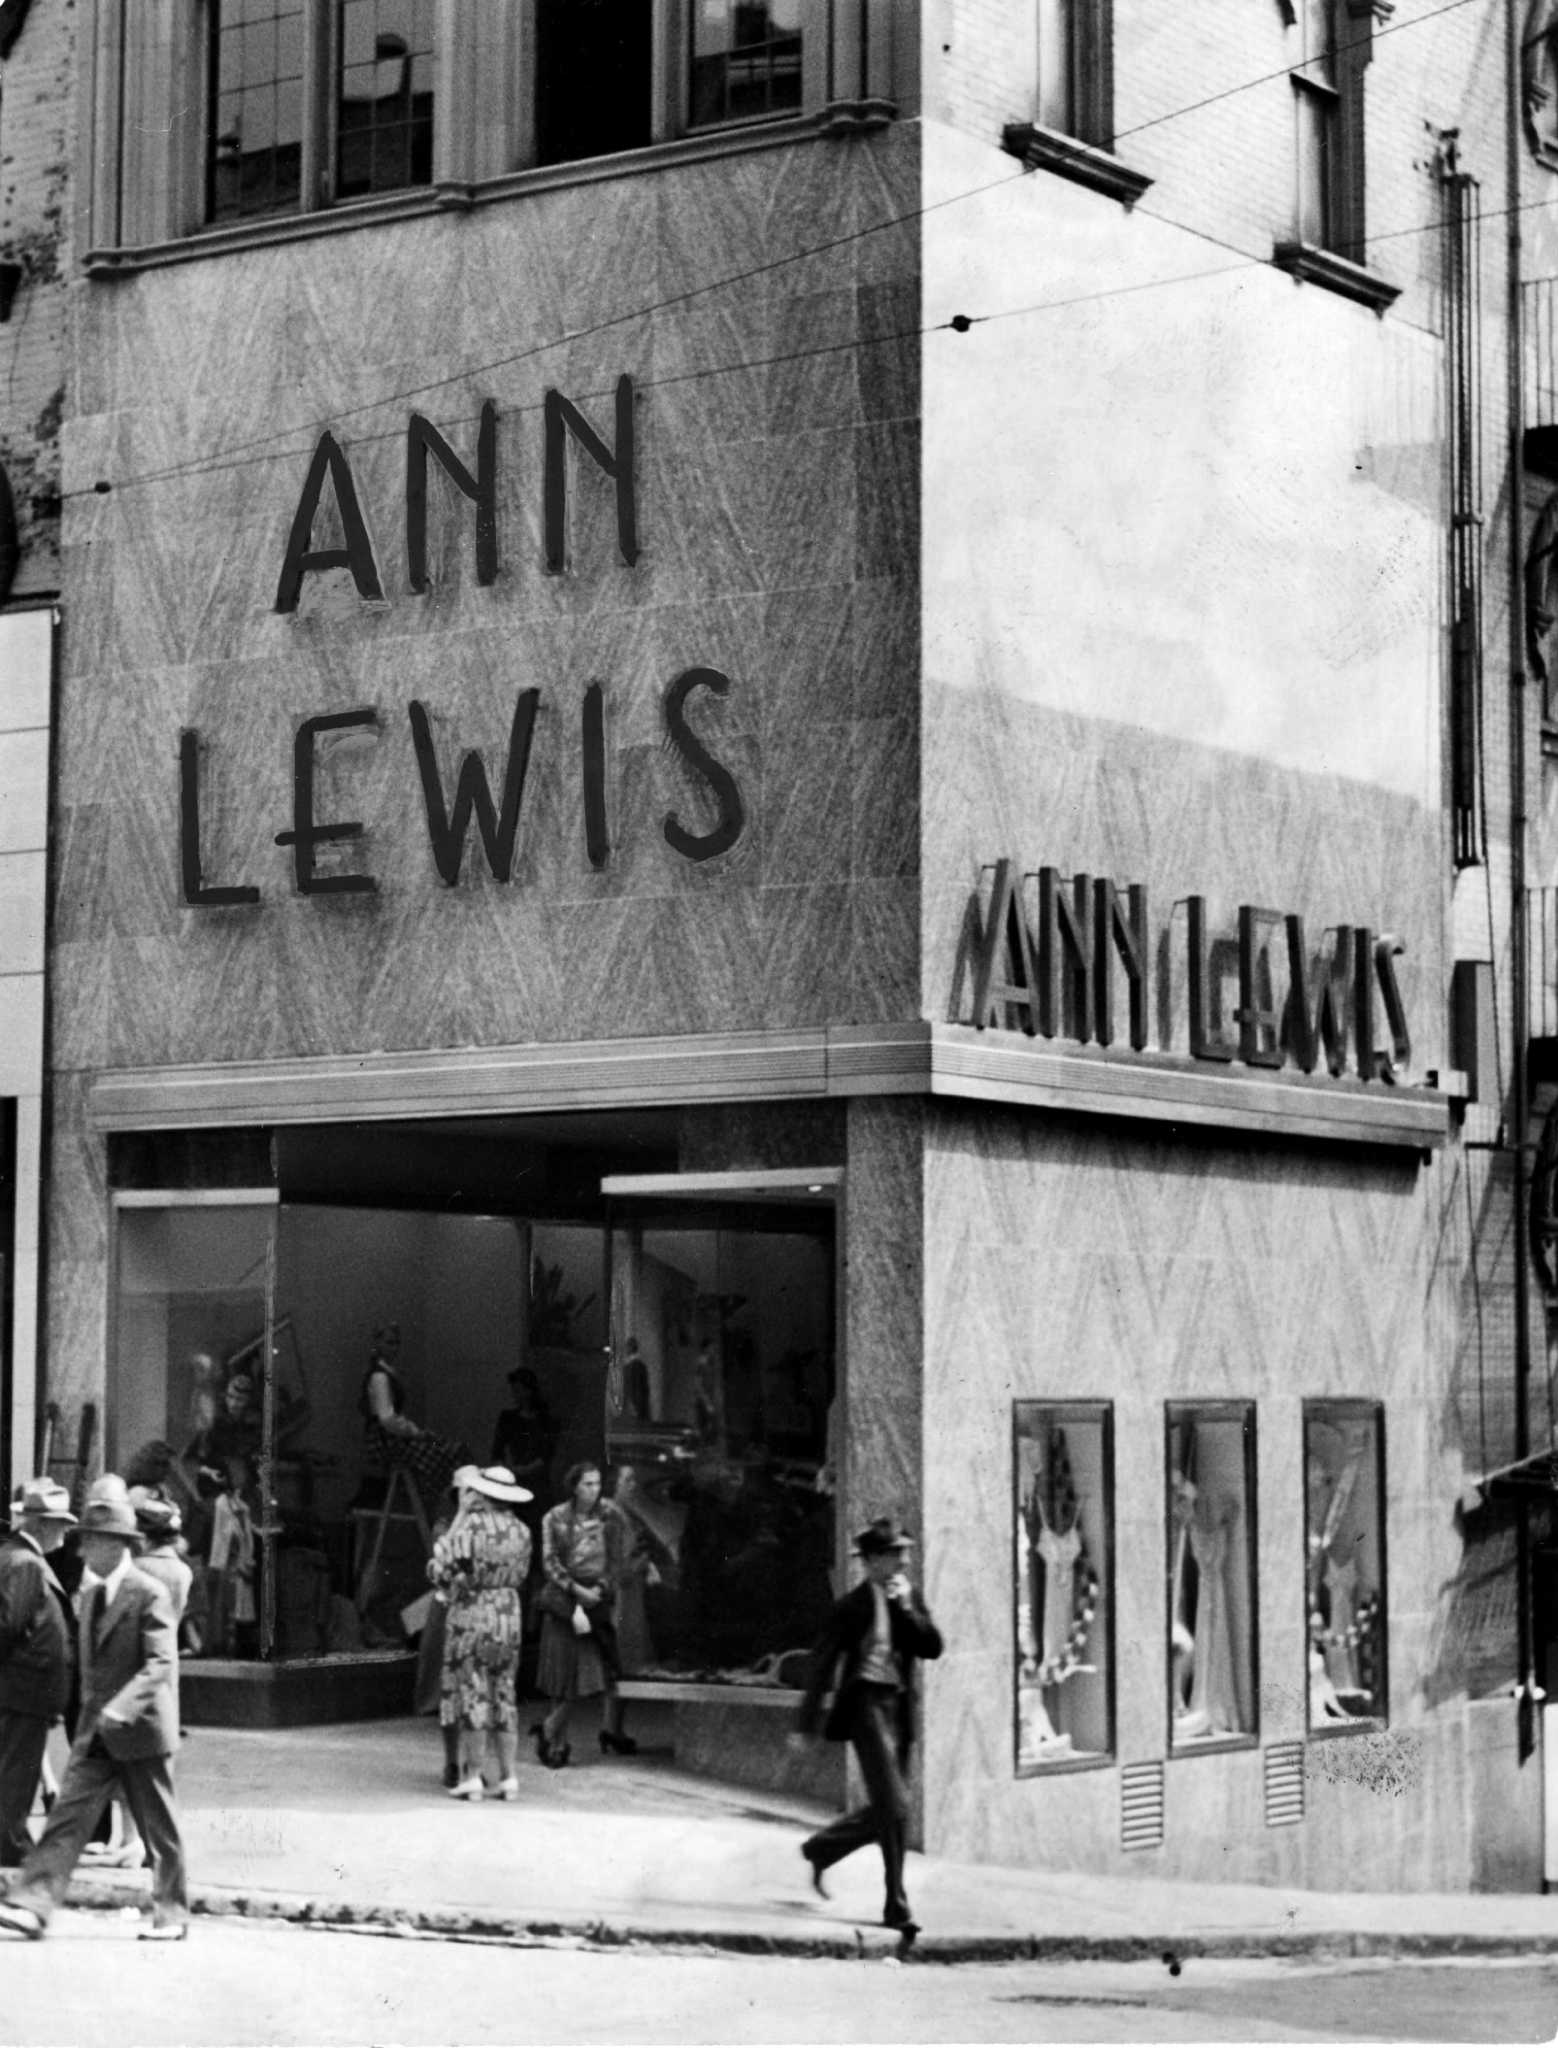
[(1284, 1784), (1141, 1806)]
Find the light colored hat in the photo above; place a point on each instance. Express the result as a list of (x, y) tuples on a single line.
[(108, 1510), (497, 1482), (44, 1500)]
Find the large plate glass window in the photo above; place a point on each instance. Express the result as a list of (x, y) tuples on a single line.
[(192, 1402), (1063, 1528), (1213, 1676), (721, 1428), (1344, 1568)]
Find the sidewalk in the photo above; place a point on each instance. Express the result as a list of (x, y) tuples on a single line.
[(348, 1823)]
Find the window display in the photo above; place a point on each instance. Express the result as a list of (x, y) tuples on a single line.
[(719, 1407), (305, 1376), (1063, 1513), (1211, 1573), (1344, 1496)]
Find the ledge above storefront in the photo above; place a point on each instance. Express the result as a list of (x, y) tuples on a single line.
[(912, 1058)]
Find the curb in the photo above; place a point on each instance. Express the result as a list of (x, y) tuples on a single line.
[(519, 1930)]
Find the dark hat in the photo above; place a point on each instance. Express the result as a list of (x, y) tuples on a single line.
[(155, 1514), (885, 1534)]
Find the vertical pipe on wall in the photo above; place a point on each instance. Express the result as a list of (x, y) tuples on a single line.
[(1517, 851)]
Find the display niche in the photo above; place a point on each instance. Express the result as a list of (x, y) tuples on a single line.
[(1063, 1516)]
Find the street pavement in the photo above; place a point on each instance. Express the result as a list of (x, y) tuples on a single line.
[(349, 1823)]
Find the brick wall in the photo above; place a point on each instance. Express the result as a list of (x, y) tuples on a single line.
[(37, 120)]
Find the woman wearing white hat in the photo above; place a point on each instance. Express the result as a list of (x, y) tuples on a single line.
[(479, 1565)]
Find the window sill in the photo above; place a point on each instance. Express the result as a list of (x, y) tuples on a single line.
[(1082, 1760), (1211, 1745), (839, 118), (1340, 1731), (1045, 149), (1313, 265)]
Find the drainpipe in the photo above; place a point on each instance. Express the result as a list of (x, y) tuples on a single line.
[(1519, 966)]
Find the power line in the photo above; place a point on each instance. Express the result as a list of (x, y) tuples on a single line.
[(270, 440)]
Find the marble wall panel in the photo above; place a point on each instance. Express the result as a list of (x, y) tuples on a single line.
[(1165, 1269)]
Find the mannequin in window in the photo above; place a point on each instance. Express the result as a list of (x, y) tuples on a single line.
[(234, 1563), (635, 1382), (525, 1435), (1185, 1579), (391, 1438)]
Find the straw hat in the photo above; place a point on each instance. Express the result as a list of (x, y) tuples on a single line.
[(497, 1482), (42, 1500)]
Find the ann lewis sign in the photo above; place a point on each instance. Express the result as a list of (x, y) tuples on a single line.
[(448, 818), (1053, 955)]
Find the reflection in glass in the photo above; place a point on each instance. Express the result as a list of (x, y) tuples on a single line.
[(719, 1409), (385, 112), (256, 150), (188, 1399), (1211, 1572), (1344, 1563), (1065, 1679), (746, 59)]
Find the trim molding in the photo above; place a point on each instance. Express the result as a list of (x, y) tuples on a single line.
[(1305, 261), (1084, 163), (914, 1058)]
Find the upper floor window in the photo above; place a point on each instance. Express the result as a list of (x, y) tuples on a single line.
[(1333, 47), (746, 59), (1075, 85), (1317, 104), (223, 113), (312, 100)]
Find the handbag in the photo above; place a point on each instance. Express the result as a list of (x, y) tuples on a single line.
[(555, 1601)]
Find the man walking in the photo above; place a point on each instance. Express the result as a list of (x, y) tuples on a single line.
[(37, 1652), (873, 1640), (127, 1732)]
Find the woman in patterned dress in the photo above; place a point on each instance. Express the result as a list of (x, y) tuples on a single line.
[(479, 1565)]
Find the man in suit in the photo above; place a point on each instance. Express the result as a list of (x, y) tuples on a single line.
[(127, 1732), (37, 1652), (874, 1638)]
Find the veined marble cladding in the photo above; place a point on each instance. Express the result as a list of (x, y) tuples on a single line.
[(1075, 1262), (1088, 796), (776, 423)]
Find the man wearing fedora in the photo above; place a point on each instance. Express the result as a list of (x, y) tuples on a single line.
[(37, 1652), (127, 1732), (873, 1641)]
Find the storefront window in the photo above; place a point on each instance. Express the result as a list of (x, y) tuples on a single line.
[(189, 1392), (1063, 1526), (1344, 1503), (1211, 1573), (720, 1411)]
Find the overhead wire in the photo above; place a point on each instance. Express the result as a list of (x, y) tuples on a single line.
[(266, 446)]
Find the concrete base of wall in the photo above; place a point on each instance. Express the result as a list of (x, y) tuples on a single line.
[(1506, 1801), (745, 1745), (216, 1692)]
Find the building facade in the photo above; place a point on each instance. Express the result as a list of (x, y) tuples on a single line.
[(37, 140), (781, 770)]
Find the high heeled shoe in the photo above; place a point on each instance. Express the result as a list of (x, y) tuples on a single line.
[(617, 1745)]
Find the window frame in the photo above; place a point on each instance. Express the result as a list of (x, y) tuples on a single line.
[(1175, 1414), (1068, 1413), (146, 65), (1335, 1410)]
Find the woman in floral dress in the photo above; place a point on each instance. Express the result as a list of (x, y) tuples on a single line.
[(479, 1565)]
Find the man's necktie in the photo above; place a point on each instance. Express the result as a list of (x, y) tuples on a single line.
[(99, 1610)]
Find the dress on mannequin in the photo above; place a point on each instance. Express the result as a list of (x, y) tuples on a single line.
[(1214, 1691), (1341, 1584)]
